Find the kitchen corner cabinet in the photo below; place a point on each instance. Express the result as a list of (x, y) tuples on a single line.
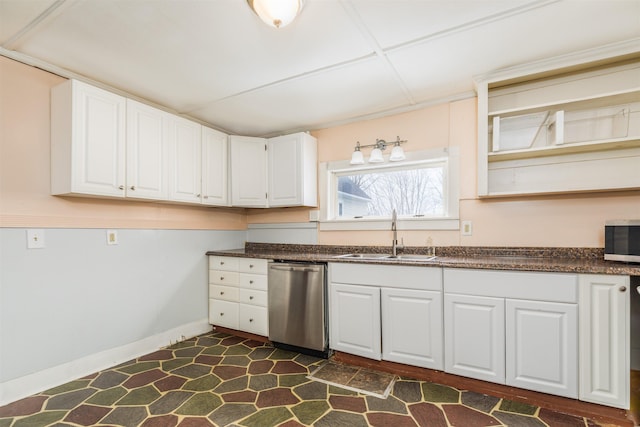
[(147, 149), (605, 339), (292, 170), (248, 171), (87, 141), (274, 172), (238, 294), (514, 328), (562, 130), (392, 313), (215, 181), (185, 160)]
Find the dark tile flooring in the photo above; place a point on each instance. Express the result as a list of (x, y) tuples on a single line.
[(222, 380)]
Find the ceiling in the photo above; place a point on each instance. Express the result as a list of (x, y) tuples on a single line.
[(340, 61)]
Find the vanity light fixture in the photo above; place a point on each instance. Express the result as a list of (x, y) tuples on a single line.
[(276, 13), (397, 153)]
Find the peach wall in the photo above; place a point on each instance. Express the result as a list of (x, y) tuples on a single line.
[(559, 220), (25, 199)]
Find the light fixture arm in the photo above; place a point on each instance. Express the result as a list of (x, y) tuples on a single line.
[(381, 144)]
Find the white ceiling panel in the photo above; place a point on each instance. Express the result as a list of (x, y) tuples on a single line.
[(393, 23), (339, 94), (447, 65), (18, 14)]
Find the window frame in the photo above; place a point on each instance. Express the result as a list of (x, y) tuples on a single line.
[(329, 172)]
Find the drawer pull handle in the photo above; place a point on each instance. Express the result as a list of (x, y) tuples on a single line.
[(623, 289)]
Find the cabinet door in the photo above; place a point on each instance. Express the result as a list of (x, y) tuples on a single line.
[(292, 168), (146, 152), (185, 148), (248, 171), (215, 181), (412, 327), (354, 325), (542, 346), (87, 140), (474, 337), (604, 339)]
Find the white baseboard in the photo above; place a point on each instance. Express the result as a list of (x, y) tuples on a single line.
[(36, 382)]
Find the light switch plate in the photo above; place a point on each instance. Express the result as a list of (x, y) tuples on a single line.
[(112, 237), (467, 228), (35, 238)]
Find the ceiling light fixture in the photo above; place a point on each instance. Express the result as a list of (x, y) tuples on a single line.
[(397, 153), (276, 13)]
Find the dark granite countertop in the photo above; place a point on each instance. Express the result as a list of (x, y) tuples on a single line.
[(562, 260)]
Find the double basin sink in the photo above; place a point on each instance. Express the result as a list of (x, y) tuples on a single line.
[(385, 257)]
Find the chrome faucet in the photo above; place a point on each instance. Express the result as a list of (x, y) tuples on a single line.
[(394, 227)]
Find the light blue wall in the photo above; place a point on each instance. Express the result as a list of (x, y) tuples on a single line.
[(78, 296)]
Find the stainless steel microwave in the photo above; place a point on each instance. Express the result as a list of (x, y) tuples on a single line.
[(622, 240)]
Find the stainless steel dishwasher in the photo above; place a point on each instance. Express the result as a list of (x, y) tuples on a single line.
[(298, 307)]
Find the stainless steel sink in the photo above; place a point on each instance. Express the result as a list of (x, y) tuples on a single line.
[(362, 256), (404, 257), (412, 257)]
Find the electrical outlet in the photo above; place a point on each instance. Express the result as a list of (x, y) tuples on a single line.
[(467, 228), (112, 237), (35, 238)]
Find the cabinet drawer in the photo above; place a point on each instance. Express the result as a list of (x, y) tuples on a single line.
[(223, 313), (227, 293), (253, 297), (252, 265), (223, 263), (254, 319), (253, 281), (220, 277)]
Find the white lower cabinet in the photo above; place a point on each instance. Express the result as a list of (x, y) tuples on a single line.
[(238, 294), (514, 328), (387, 312), (412, 327), (355, 320), (541, 346), (605, 339), (474, 340)]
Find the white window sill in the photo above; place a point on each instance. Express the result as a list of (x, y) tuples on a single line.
[(385, 224)]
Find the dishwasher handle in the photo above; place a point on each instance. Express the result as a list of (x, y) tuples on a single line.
[(289, 267)]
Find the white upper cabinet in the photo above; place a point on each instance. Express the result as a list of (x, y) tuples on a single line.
[(87, 141), (248, 171), (292, 170), (185, 160), (274, 172), (560, 130), (215, 182), (146, 152)]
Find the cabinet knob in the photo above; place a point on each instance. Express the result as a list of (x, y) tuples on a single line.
[(250, 265), (623, 289), (121, 187), (221, 277), (221, 314), (251, 297), (250, 320), (198, 195), (133, 187), (251, 282), (222, 293), (221, 262)]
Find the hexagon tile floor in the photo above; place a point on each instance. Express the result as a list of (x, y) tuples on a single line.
[(222, 380)]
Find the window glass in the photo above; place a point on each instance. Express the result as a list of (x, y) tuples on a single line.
[(416, 191)]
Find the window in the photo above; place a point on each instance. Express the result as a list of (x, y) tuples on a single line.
[(422, 189)]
